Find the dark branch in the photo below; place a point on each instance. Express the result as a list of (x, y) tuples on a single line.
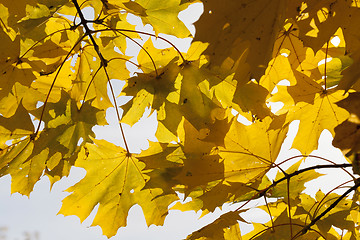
[(290, 175), (88, 32), (263, 192), (333, 205)]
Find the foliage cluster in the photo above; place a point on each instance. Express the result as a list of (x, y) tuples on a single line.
[(56, 84)]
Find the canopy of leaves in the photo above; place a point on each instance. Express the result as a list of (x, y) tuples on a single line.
[(57, 75)]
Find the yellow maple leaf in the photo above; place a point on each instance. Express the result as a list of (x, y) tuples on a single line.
[(163, 16), (250, 151), (315, 108), (226, 227), (116, 188), (228, 25)]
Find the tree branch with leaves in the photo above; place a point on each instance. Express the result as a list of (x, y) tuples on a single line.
[(57, 70)]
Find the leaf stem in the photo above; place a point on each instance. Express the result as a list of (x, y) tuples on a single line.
[(145, 33), (53, 83), (271, 217), (326, 55), (289, 206), (146, 51), (104, 64), (89, 32)]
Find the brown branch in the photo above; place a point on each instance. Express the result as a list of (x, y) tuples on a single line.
[(333, 205), (88, 32), (263, 192), (104, 64)]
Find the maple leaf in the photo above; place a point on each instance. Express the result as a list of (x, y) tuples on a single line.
[(225, 227), (90, 78), (223, 29), (195, 102), (13, 70), (192, 175), (149, 91), (251, 98), (11, 128), (183, 89), (65, 127), (310, 208), (347, 133), (163, 164), (315, 108), (296, 184), (58, 68), (153, 87), (163, 16), (279, 227), (116, 188), (250, 151), (323, 20)]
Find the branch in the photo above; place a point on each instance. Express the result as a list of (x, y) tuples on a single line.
[(88, 32), (262, 192), (104, 64), (288, 176), (307, 227)]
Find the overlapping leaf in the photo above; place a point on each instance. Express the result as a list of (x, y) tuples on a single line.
[(250, 151), (316, 109), (57, 67), (236, 27), (163, 16)]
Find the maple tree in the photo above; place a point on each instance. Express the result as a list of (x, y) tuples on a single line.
[(57, 73)]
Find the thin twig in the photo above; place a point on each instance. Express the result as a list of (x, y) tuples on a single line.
[(333, 205)]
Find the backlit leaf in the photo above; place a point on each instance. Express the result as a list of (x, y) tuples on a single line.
[(116, 188)]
